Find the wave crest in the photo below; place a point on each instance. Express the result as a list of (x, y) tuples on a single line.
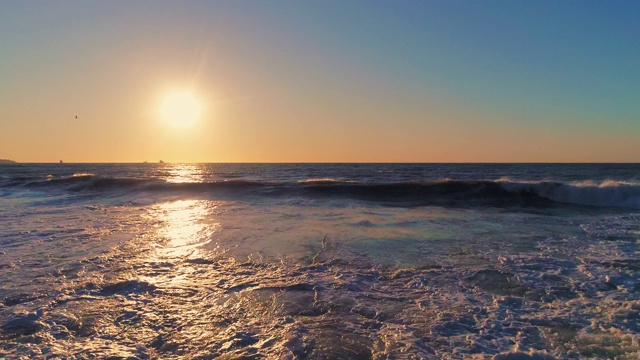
[(608, 193), (443, 192)]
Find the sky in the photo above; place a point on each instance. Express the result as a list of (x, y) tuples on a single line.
[(320, 81)]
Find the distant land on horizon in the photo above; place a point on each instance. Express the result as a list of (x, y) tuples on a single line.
[(6, 161)]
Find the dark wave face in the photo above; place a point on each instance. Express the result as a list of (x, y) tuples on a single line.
[(442, 192)]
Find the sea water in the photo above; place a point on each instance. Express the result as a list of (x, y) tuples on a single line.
[(320, 261)]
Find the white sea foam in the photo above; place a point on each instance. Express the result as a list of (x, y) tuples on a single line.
[(606, 193), (318, 180), (326, 180)]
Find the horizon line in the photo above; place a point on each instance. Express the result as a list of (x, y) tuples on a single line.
[(320, 162)]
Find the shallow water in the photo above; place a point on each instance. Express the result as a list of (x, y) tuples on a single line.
[(136, 272)]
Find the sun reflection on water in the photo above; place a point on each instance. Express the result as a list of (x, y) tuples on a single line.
[(185, 173), (187, 225)]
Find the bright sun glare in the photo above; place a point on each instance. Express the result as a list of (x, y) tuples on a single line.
[(180, 108)]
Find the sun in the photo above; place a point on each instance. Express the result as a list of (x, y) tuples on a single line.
[(181, 108)]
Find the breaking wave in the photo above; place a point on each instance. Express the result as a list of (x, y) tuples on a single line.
[(604, 194), (445, 192)]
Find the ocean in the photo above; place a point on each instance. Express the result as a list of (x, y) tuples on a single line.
[(320, 261)]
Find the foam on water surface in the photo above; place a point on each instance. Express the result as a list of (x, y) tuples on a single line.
[(187, 275), (436, 283)]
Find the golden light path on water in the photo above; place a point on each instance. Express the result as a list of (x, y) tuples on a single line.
[(185, 173), (182, 226), (187, 224), (186, 227)]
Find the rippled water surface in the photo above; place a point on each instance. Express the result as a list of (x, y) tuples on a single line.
[(319, 262)]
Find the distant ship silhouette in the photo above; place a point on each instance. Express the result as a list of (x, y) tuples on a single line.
[(160, 162)]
